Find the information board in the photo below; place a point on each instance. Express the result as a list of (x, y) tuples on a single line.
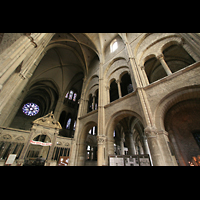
[(116, 161), (144, 160), (10, 159), (129, 160)]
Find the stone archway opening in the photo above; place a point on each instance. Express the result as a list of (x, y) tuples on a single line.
[(38, 151), (128, 137), (182, 122), (125, 135), (87, 151)]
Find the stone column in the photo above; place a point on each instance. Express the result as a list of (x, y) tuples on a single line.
[(153, 146), (110, 145), (122, 146), (119, 88), (25, 148), (101, 138), (58, 108), (131, 148), (83, 105), (164, 64), (146, 81), (13, 87), (146, 147), (48, 161), (101, 149), (159, 149), (14, 55), (108, 94)]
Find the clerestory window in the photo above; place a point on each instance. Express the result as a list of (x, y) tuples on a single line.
[(113, 45), (71, 95)]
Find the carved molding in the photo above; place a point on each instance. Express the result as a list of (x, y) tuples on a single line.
[(20, 138), (7, 137), (67, 144)]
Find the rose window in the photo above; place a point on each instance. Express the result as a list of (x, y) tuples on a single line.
[(30, 109)]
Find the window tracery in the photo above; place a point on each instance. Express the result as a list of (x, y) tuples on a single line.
[(30, 109), (71, 95)]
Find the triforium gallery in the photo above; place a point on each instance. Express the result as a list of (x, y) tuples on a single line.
[(99, 99)]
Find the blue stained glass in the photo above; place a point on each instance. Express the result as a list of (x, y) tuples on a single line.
[(30, 109), (68, 123)]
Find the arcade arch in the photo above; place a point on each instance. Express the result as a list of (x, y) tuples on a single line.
[(87, 146), (125, 131), (172, 58), (182, 122), (178, 115)]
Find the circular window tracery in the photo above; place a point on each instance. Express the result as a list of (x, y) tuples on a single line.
[(30, 109)]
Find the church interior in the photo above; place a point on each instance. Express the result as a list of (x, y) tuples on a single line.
[(99, 99)]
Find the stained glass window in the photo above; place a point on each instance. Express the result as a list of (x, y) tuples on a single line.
[(71, 95), (74, 99), (66, 96), (30, 109), (68, 123), (74, 125)]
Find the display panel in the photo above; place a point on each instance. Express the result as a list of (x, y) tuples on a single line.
[(129, 160)]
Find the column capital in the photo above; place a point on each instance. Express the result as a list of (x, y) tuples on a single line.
[(162, 132), (164, 64), (160, 56), (150, 132), (107, 87), (118, 81), (128, 132), (101, 139), (142, 67)]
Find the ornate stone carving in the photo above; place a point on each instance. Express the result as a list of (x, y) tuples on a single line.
[(48, 121), (59, 143), (150, 131), (20, 138), (7, 137), (101, 139), (67, 144)]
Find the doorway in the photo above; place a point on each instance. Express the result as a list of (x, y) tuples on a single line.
[(38, 151)]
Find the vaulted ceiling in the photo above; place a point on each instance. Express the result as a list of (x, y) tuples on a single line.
[(69, 58)]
